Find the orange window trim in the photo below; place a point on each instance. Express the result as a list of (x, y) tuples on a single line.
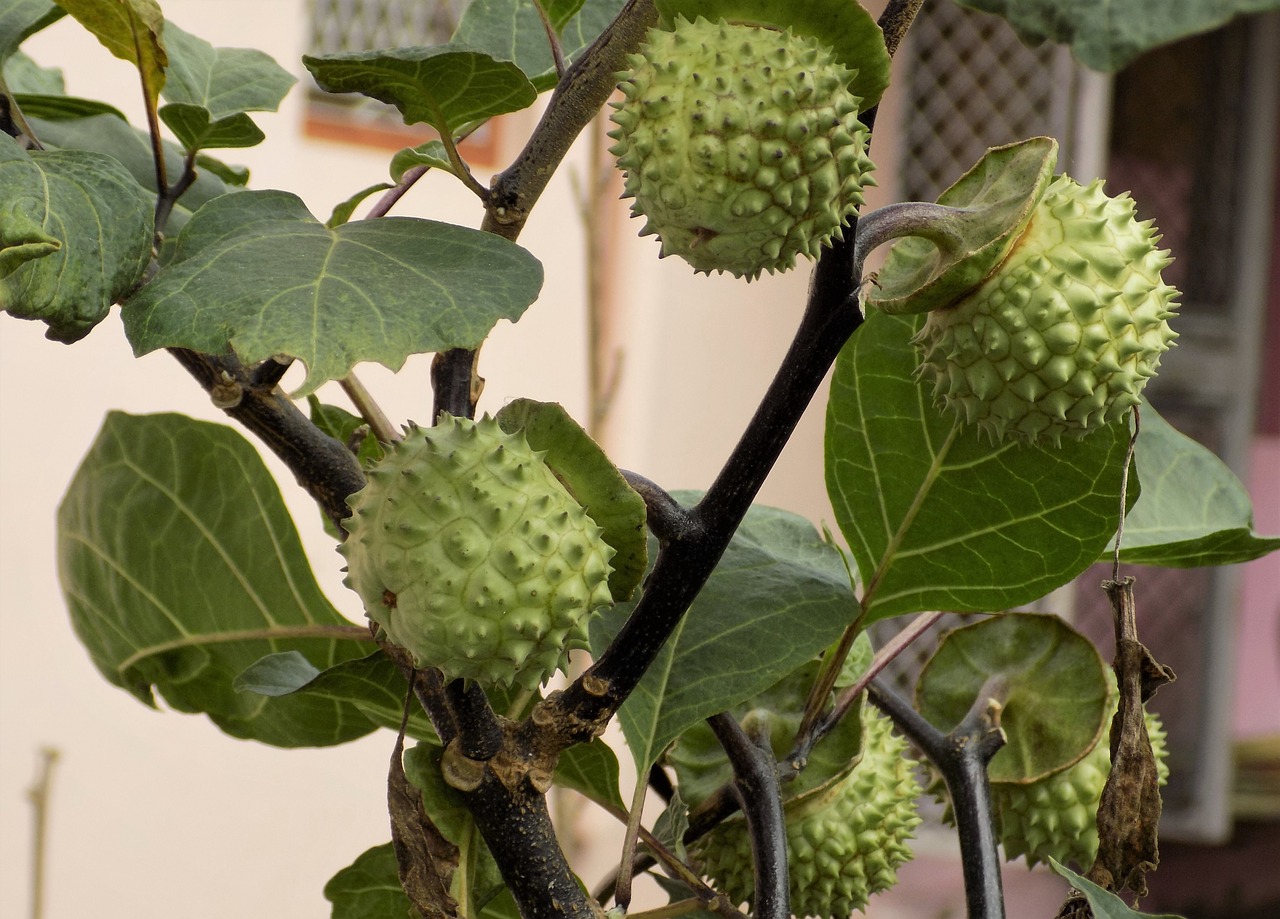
[(479, 150)]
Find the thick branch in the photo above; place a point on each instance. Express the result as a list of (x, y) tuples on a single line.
[(962, 757), (322, 465), (516, 825), (580, 94)]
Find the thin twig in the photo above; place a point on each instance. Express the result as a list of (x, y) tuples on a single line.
[(38, 795), (369, 409), (807, 740), (1124, 491), (557, 51)]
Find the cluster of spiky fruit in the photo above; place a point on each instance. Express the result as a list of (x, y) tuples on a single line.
[(741, 145), (1056, 816), (1062, 337), (844, 843), (469, 553)]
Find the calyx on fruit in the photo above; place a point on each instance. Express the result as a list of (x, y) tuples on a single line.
[(1063, 335), (469, 553), (844, 844), (741, 145)]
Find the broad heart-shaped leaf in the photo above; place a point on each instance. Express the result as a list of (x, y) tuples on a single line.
[(939, 518), (511, 30), (181, 567), (1193, 510), (445, 86), (1055, 691), (843, 26), (75, 236), (1106, 35), (254, 271), (131, 30), (431, 154), (1103, 903), (222, 81), (22, 75), (209, 90), (778, 597), (582, 467), (57, 107), (20, 19), (116, 138), (368, 888)]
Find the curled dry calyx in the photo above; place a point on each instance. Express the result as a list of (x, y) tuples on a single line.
[(1047, 313), (741, 144), (469, 553)]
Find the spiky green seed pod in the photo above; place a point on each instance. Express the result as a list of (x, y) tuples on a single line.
[(1056, 816), (1062, 337), (741, 145), (470, 554), (844, 844)]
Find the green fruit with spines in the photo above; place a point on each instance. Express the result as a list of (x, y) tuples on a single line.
[(470, 554), (1062, 337), (1056, 816), (741, 145), (844, 843)]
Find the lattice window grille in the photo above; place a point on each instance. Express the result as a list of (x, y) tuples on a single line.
[(972, 84)]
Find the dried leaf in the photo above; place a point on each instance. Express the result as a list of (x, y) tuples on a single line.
[(426, 858), (1129, 814)]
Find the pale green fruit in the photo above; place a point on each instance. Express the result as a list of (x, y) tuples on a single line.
[(741, 145), (1062, 337), (1056, 816), (844, 844), (470, 554)]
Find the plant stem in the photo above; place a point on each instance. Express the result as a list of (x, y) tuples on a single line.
[(369, 409), (935, 222), (579, 95), (755, 780), (962, 757), (322, 465), (38, 795), (557, 52)]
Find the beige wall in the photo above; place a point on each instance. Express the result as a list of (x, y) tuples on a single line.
[(156, 814)]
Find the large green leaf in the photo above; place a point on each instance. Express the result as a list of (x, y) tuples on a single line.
[(254, 270), (75, 236), (938, 517), (511, 30), (132, 30), (369, 888), (1106, 35), (222, 81), (181, 567), (779, 596), (445, 86), (20, 19), (23, 75), (113, 136), (209, 90), (1193, 510)]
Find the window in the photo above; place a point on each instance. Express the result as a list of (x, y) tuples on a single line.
[(362, 25)]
